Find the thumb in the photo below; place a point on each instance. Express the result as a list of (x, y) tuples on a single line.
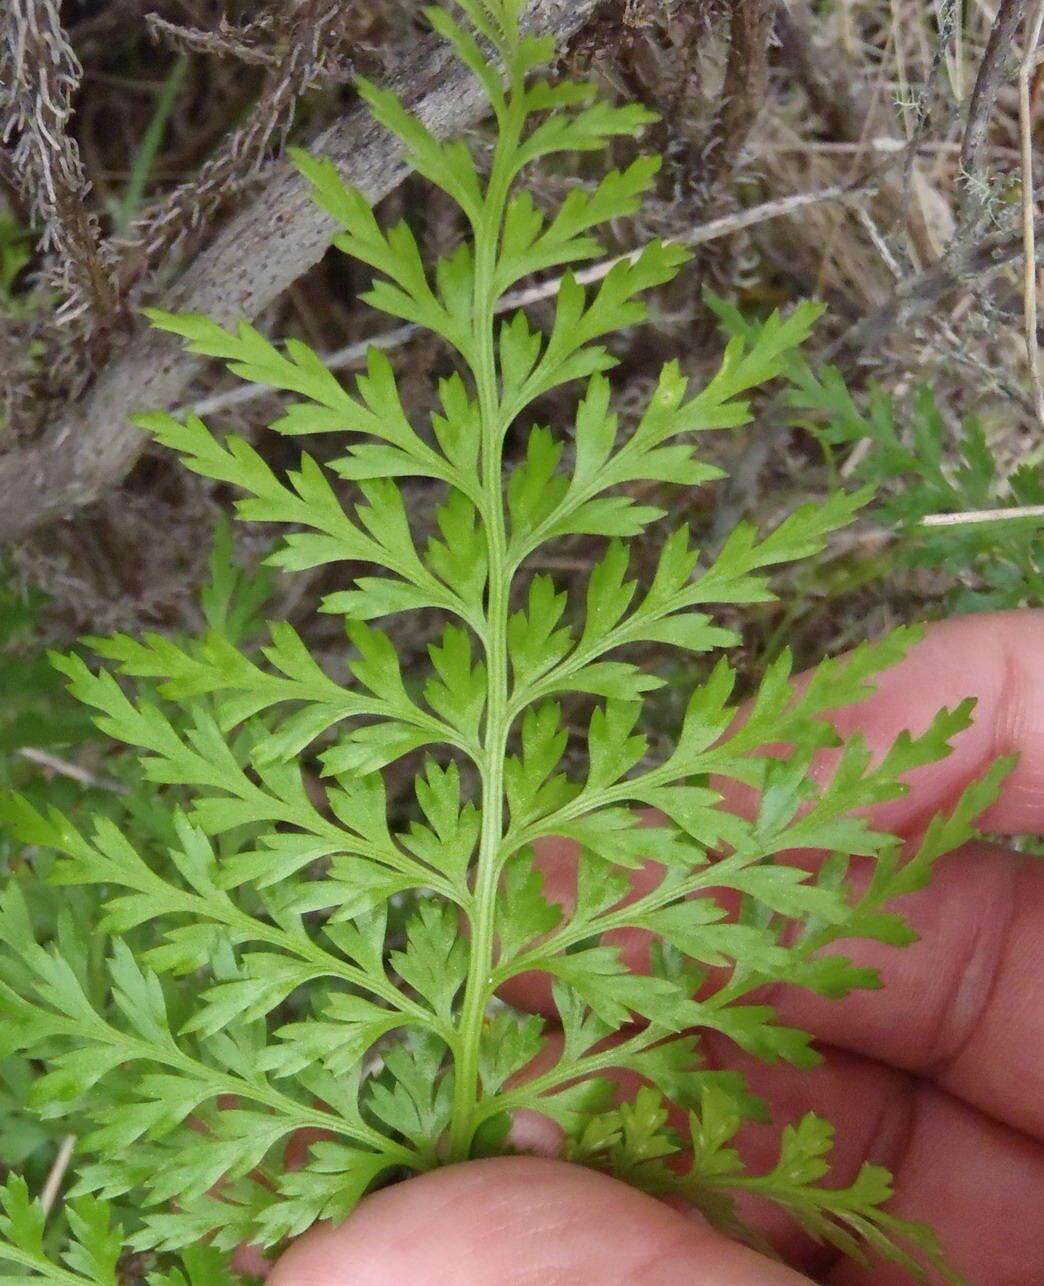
[(518, 1220)]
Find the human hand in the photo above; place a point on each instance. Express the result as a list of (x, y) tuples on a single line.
[(939, 1075)]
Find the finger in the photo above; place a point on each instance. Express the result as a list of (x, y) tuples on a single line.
[(976, 1183), (997, 658), (993, 1174), (964, 1005), (516, 1222), (972, 1179), (857, 1094)]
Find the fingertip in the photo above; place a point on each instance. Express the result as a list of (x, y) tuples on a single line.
[(521, 1220)]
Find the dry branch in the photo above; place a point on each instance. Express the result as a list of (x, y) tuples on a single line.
[(970, 267), (1034, 24), (743, 90), (278, 235), (975, 144), (306, 36), (832, 97), (39, 75)]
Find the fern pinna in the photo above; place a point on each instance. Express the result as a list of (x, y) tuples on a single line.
[(293, 963)]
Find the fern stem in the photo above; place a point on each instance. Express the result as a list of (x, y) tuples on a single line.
[(478, 986), (480, 964)]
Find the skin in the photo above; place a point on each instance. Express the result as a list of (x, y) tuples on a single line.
[(939, 1075)]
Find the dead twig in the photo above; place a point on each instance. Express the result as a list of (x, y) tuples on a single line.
[(979, 516), (56, 1176), (75, 772), (974, 145), (1028, 66), (39, 75), (248, 44), (742, 92), (968, 266), (829, 95)]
